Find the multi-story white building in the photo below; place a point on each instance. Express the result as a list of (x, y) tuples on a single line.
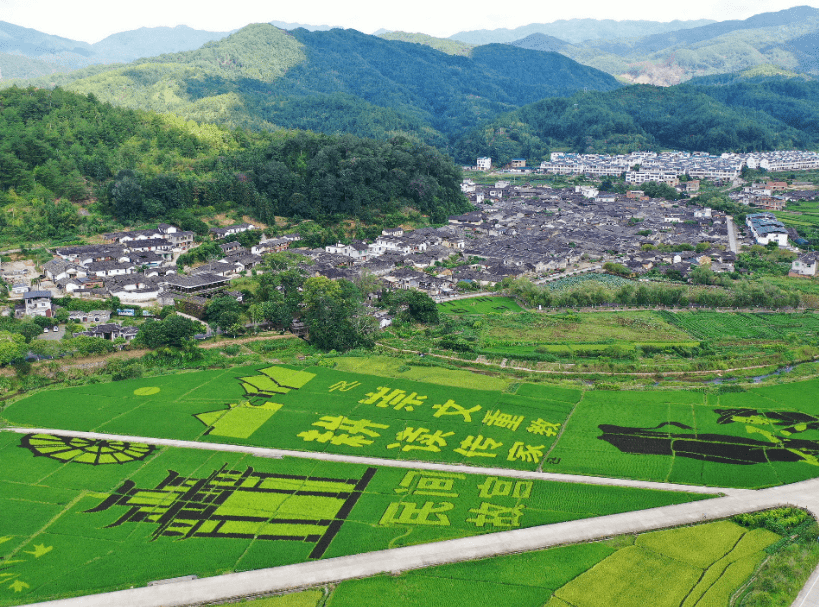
[(766, 228), (484, 163)]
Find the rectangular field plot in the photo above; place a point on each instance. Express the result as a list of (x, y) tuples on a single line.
[(93, 524), (700, 565), (480, 305), (750, 439), (694, 566)]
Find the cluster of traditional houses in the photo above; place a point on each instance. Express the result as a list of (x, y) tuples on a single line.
[(514, 231), (526, 231), (667, 167), (774, 195), (137, 267)]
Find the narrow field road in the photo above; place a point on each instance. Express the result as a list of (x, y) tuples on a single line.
[(390, 463)]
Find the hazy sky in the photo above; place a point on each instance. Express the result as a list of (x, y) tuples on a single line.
[(92, 20)]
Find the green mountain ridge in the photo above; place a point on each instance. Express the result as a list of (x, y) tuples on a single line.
[(715, 114), (445, 45), (59, 150), (336, 81)]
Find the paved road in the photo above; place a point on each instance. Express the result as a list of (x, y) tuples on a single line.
[(390, 463), (732, 234), (804, 494), (809, 597)]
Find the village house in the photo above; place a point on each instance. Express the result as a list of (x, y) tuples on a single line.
[(36, 303), (804, 266)]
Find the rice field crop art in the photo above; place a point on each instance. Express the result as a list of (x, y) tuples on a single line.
[(317, 409), (750, 439), (68, 528)]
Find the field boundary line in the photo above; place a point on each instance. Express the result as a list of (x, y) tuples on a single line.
[(562, 430), (274, 453), (52, 520)]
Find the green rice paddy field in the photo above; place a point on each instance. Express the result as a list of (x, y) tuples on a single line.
[(762, 437), (480, 305), (80, 516), (696, 566)]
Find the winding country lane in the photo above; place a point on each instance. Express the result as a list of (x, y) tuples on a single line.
[(804, 494)]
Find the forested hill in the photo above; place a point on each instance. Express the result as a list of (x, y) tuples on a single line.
[(338, 81), (60, 152), (716, 115)]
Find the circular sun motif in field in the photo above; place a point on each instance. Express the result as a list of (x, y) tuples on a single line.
[(146, 391), (85, 450)]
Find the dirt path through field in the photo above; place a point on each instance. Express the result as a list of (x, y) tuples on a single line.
[(553, 372), (303, 575), (244, 340)]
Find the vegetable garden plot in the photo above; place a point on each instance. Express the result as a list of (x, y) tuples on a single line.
[(762, 326), (182, 512), (606, 280)]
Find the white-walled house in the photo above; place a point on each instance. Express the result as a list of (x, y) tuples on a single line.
[(804, 265)]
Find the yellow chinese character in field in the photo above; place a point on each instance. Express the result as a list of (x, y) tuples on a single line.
[(472, 446), (352, 432), (398, 399), (439, 484), (526, 453), (421, 440), (450, 407), (502, 420), (402, 513), (493, 486), (497, 516), (344, 386), (543, 428)]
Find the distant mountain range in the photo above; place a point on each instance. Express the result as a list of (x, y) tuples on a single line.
[(285, 25), (576, 31), (787, 39), (640, 52), (337, 81), (26, 53)]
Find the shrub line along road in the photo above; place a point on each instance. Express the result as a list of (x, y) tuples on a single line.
[(804, 494)]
